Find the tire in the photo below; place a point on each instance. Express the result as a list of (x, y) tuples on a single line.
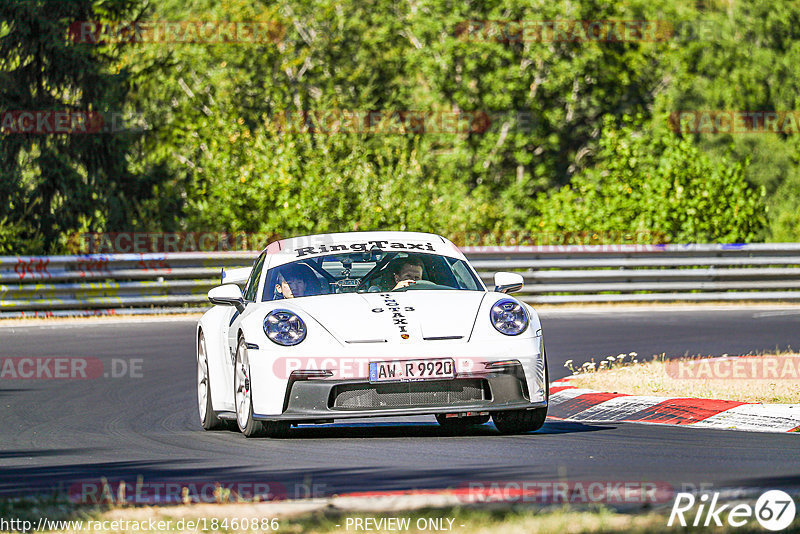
[(546, 376), (208, 417), (243, 401), (521, 421), (242, 397), (460, 423)]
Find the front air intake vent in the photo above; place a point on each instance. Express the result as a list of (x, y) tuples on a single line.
[(409, 394)]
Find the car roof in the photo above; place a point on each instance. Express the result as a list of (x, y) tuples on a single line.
[(295, 248)]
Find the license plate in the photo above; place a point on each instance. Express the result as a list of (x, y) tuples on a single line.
[(408, 370)]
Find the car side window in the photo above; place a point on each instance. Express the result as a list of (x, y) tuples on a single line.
[(252, 283), (464, 278)]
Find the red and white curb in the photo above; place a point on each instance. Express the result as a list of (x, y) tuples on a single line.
[(585, 405)]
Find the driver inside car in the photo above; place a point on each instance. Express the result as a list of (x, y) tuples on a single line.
[(408, 271)]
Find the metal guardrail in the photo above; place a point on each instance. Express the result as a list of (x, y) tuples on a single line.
[(631, 273), (103, 284)]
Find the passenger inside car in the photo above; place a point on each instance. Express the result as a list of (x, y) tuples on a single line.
[(297, 280)]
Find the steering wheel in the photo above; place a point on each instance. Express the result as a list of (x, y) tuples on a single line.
[(422, 284)]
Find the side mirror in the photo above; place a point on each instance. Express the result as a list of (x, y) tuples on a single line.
[(227, 295), (508, 282)]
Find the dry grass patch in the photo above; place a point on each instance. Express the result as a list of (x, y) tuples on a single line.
[(688, 377)]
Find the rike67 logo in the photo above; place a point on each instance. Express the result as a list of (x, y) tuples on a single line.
[(774, 510)]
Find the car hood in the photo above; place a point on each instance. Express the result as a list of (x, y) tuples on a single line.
[(430, 315)]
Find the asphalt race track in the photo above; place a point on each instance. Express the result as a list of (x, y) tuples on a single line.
[(57, 432)]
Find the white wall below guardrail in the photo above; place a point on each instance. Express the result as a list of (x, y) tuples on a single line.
[(167, 282)]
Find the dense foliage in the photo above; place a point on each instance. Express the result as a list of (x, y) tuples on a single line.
[(568, 138), (53, 184), (654, 183)]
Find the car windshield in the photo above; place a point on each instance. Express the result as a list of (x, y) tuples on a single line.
[(368, 272)]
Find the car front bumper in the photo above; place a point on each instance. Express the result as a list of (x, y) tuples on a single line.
[(326, 399), (277, 394)]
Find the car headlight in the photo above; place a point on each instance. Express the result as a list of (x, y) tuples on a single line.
[(284, 328), (509, 317)]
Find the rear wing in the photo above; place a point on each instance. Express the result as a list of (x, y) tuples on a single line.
[(235, 276)]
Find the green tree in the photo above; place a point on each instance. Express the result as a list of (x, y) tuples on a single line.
[(547, 96), (213, 158), (652, 182), (741, 56), (53, 184)]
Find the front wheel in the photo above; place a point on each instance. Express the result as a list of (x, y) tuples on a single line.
[(242, 388), (519, 421), (242, 396)]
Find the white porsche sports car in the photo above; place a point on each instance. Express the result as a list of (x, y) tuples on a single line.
[(368, 324)]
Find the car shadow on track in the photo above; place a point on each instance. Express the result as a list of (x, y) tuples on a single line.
[(425, 430), (162, 481), (33, 453), (5, 392)]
